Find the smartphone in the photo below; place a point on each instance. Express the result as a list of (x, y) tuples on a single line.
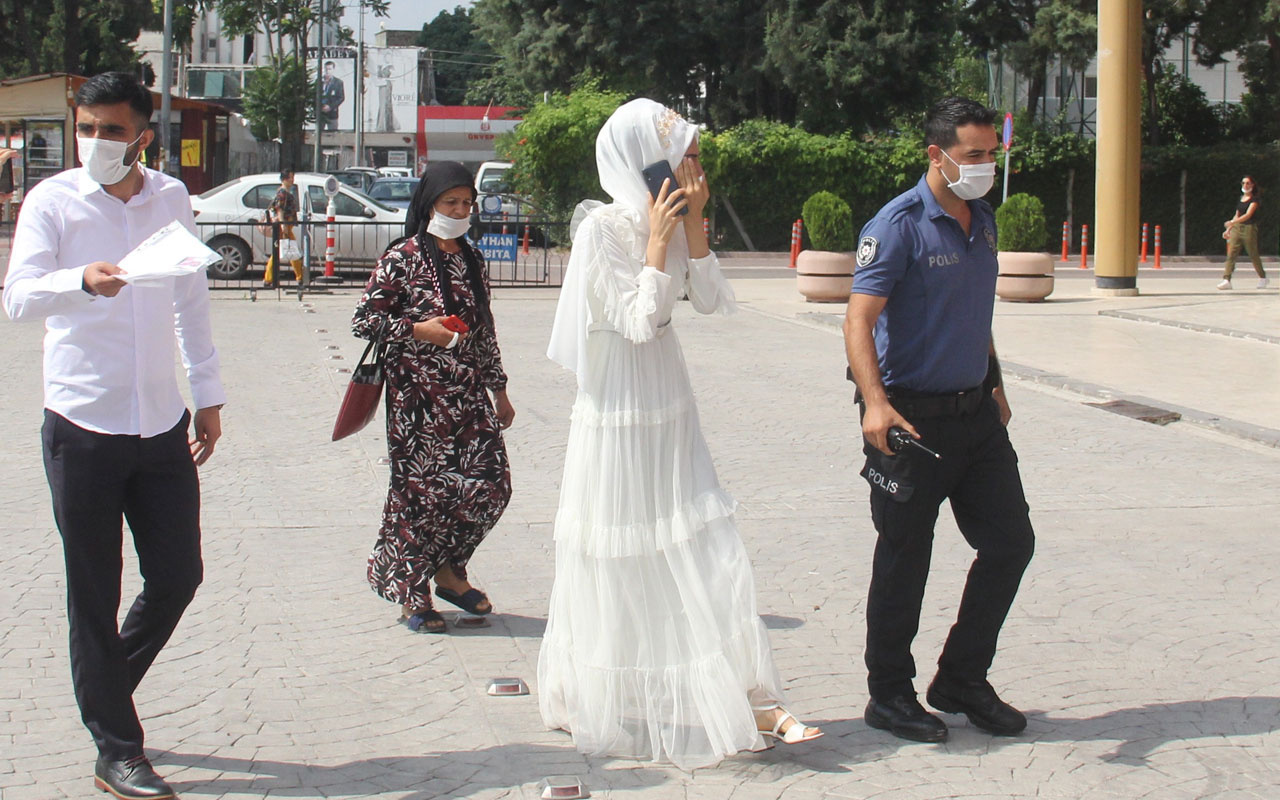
[(6, 177), (454, 323), (655, 174)]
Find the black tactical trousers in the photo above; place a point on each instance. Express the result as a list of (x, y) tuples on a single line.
[(978, 473)]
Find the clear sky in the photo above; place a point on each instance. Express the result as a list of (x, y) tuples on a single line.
[(407, 15)]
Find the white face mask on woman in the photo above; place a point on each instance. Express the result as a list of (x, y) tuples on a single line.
[(104, 158), (975, 179), (444, 226)]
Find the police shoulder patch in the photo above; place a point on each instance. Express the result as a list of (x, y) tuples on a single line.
[(867, 249), (990, 237)]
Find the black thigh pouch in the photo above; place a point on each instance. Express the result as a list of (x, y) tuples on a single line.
[(891, 477)]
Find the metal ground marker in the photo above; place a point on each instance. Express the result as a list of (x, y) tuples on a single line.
[(507, 687), (563, 787)]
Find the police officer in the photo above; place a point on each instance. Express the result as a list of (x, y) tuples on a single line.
[(918, 337)]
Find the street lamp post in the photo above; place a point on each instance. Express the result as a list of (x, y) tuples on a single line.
[(315, 161), (166, 86)]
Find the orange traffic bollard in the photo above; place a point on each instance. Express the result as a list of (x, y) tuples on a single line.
[(1143, 260), (1066, 239), (1157, 263), (1084, 247), (796, 228), (524, 245)]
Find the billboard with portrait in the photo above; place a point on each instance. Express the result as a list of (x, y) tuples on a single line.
[(390, 89), (337, 70)]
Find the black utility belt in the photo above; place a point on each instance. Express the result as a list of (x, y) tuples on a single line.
[(922, 405)]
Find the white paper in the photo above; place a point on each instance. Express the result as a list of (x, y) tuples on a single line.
[(171, 252)]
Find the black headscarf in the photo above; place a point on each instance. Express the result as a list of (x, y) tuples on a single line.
[(439, 178)]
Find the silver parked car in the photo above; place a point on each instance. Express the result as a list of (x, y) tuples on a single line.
[(229, 219)]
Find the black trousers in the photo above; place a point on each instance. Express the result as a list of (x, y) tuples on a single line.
[(978, 473), (97, 480)]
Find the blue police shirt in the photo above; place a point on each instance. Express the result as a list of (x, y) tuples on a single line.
[(935, 331)]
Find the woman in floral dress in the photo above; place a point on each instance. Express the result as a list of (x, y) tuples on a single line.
[(446, 404)]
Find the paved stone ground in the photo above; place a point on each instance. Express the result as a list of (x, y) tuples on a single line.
[(1143, 644)]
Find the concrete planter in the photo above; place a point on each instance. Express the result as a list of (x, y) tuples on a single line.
[(1024, 277), (825, 277)]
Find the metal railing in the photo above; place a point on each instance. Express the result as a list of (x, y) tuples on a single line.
[(534, 255)]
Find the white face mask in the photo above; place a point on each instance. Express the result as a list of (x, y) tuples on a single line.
[(975, 179), (104, 158), (446, 227)]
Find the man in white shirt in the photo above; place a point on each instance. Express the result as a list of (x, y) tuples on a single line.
[(115, 430)]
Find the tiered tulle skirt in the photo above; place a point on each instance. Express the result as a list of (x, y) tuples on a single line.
[(653, 648)]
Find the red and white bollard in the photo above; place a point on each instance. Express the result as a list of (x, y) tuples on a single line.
[(330, 233), (797, 229), (504, 223), (1156, 265), (1084, 247), (1066, 239), (1143, 259), (524, 244)]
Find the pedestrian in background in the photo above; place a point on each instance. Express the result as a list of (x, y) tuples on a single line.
[(654, 648), (918, 339), (6, 154), (284, 210), (1242, 231), (446, 403), (115, 426)]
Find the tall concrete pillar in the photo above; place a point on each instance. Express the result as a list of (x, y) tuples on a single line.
[(1116, 217)]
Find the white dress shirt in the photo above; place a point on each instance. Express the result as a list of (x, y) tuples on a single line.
[(109, 361)]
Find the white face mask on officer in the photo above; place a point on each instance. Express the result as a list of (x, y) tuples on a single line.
[(104, 158), (444, 226), (974, 181)]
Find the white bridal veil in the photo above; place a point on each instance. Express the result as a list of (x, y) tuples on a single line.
[(638, 134)]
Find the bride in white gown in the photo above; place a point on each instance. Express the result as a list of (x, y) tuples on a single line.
[(653, 647)]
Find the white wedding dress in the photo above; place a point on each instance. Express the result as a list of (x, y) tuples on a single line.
[(653, 647)]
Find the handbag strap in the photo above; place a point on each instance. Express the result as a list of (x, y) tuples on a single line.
[(374, 346)]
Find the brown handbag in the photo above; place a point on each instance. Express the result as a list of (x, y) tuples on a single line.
[(360, 403)]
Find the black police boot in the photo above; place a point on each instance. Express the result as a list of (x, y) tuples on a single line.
[(977, 701), (904, 717), (130, 779)]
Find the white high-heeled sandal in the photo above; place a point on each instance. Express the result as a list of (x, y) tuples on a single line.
[(798, 732)]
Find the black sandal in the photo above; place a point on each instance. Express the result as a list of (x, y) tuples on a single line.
[(428, 620), (469, 601)]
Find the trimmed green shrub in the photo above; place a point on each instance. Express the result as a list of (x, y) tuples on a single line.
[(1020, 220), (829, 221)]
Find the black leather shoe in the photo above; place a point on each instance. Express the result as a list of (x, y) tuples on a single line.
[(904, 717), (130, 779), (977, 701)]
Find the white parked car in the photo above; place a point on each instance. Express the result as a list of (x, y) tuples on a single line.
[(396, 172), (228, 218)]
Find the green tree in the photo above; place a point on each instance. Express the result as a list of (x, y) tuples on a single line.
[(75, 36), (459, 56), (1186, 118), (268, 98), (553, 149), (858, 62), (643, 46), (1031, 33)]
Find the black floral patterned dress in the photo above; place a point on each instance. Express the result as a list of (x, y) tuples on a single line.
[(450, 480)]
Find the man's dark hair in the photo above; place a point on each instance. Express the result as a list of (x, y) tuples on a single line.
[(286, 174), (950, 113), (330, 64), (111, 88)]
